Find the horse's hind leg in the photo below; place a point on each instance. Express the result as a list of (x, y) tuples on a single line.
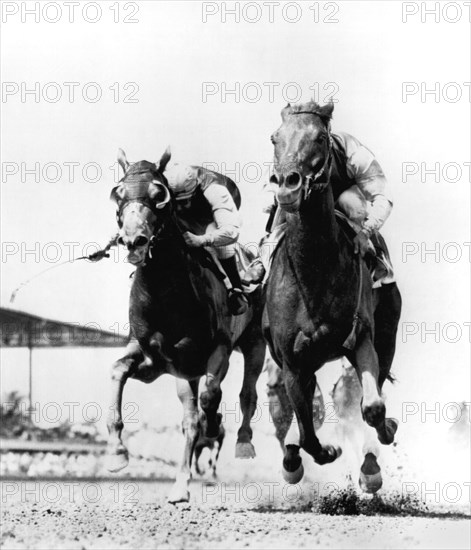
[(254, 356), (219, 442), (117, 454), (188, 395), (370, 480), (387, 314), (365, 361), (218, 364)]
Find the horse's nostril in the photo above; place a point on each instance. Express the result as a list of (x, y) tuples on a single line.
[(274, 179), (141, 241), (293, 179)]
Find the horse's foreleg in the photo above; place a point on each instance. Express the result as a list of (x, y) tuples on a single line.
[(217, 366), (117, 454), (300, 392), (188, 395), (365, 361), (281, 411), (254, 356), (293, 469)]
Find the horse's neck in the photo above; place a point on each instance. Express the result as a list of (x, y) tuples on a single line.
[(313, 246), (168, 263), (314, 232)]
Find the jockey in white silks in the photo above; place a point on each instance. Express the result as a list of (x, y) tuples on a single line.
[(361, 193), (206, 203)]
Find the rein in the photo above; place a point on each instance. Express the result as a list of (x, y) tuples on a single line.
[(94, 257)]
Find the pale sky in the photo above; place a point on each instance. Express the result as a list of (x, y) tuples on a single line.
[(170, 53)]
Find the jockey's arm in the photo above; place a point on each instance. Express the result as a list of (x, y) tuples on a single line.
[(227, 222), (369, 177)]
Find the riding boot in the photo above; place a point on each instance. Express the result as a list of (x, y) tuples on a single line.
[(238, 302)]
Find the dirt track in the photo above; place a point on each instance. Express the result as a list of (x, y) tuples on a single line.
[(136, 515)]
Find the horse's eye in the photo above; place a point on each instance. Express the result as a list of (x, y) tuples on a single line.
[(141, 241)]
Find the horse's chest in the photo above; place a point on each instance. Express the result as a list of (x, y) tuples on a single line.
[(299, 329)]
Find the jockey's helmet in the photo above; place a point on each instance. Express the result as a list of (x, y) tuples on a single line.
[(182, 180)]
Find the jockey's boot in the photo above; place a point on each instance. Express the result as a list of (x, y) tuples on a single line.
[(238, 302)]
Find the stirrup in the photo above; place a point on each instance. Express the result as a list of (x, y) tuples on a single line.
[(238, 302)]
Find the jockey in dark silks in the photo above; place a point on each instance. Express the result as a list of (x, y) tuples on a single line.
[(207, 205), (360, 191)]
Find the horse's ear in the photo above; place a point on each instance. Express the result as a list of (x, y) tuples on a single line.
[(164, 160), (122, 160), (286, 111), (326, 110)]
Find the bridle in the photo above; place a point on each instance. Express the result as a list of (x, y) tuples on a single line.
[(326, 168), (137, 192)]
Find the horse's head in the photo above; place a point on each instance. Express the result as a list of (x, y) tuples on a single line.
[(302, 151), (144, 203)]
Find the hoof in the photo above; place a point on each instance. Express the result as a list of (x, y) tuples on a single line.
[(374, 414), (370, 483), (390, 429), (244, 450), (178, 494), (328, 454), (117, 461), (370, 480), (293, 477)]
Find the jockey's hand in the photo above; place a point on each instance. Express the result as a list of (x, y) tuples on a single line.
[(361, 243), (195, 241)]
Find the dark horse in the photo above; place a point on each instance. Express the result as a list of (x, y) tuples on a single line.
[(320, 304), (179, 318)]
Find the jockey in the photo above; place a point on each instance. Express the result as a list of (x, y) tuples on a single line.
[(360, 192), (206, 203)]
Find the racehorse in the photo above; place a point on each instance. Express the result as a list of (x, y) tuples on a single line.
[(320, 304), (179, 318)]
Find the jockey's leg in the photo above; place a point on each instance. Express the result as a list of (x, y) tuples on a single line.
[(238, 302), (353, 204), (259, 268)]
